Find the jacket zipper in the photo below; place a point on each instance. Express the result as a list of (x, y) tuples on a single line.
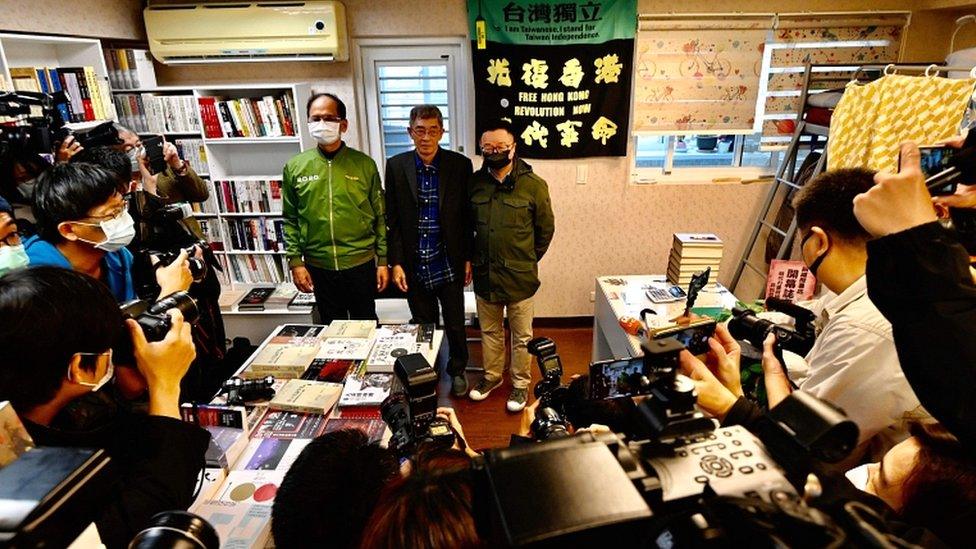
[(335, 251)]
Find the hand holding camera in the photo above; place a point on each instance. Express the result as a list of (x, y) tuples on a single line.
[(175, 277), (164, 363)]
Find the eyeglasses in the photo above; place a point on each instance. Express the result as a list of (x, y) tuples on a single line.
[(424, 132), (492, 149), (115, 213), (326, 118)]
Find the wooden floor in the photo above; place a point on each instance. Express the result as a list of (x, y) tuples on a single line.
[(487, 424)]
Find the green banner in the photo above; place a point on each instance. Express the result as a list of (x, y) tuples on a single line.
[(554, 22)]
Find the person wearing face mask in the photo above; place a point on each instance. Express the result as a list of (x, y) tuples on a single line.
[(335, 224), (83, 224), (513, 227), (177, 183), (50, 360), (12, 254)]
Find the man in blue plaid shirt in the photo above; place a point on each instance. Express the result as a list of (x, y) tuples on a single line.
[(429, 232)]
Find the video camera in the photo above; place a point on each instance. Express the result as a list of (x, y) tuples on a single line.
[(799, 338), (42, 134), (411, 409), (688, 483)]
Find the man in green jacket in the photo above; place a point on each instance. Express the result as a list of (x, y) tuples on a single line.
[(514, 225), (335, 228)]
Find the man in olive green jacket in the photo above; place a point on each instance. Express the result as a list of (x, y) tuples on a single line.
[(335, 227), (514, 225)]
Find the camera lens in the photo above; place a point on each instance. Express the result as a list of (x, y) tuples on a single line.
[(180, 301), (548, 424), (177, 529)]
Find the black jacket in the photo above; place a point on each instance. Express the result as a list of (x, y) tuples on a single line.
[(402, 211), (920, 281), (158, 459)]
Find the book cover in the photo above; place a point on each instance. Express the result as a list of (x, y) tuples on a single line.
[(323, 369), (696, 240), (226, 446), (214, 415), (271, 454), (386, 350), (240, 525), (281, 297), (790, 280), (281, 424), (303, 301), (282, 360), (346, 348), (255, 299), (304, 395), (251, 486), (368, 390), (14, 438), (351, 328)]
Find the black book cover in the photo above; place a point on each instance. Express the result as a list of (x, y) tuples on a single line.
[(254, 300)]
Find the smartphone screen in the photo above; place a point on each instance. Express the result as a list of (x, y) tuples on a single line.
[(935, 159), (694, 338), (154, 153), (616, 378)]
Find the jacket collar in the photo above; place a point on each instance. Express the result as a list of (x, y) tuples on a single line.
[(520, 168), (853, 292)]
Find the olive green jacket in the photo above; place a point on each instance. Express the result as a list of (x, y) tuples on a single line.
[(333, 210), (190, 187), (514, 225)]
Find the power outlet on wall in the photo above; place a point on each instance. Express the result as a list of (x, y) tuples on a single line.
[(592, 297), (581, 174)]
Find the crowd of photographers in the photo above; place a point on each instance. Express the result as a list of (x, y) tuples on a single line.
[(894, 350)]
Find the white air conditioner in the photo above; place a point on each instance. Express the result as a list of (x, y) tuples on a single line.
[(247, 31)]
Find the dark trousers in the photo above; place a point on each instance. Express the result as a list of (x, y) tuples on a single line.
[(347, 294), (423, 308)]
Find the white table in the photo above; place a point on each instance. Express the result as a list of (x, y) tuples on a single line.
[(613, 301)]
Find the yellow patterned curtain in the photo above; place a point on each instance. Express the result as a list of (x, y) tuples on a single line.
[(846, 40), (698, 74)]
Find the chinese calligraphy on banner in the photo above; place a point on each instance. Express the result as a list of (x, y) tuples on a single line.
[(559, 70), (790, 280)]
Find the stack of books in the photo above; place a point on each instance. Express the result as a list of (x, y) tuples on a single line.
[(692, 253), (265, 116)]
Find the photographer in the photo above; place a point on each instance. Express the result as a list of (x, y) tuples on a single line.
[(178, 183), (57, 331), (920, 278), (928, 480), (853, 363), (83, 224), (112, 160)]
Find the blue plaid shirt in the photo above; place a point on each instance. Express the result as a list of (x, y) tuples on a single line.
[(433, 268)]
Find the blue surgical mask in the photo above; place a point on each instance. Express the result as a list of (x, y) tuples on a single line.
[(12, 257)]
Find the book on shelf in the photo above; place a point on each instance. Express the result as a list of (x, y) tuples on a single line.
[(307, 395), (259, 234), (229, 298), (248, 196), (266, 116), (195, 154), (130, 68), (303, 302), (255, 299), (281, 297), (88, 93), (211, 233), (259, 269), (149, 113)]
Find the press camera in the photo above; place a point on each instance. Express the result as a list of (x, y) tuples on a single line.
[(411, 409), (42, 134), (152, 316)]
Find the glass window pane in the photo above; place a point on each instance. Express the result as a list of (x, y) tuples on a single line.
[(651, 151), (400, 71), (402, 87), (703, 151), (410, 84), (752, 156)]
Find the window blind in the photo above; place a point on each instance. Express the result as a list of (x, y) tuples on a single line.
[(403, 86)]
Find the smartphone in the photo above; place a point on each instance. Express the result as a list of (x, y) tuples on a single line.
[(935, 160), (617, 378), (694, 336), (154, 153)]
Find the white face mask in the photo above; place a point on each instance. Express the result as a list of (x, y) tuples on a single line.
[(27, 189), (109, 373), (12, 257), (324, 132), (859, 477), (134, 154), (119, 232)]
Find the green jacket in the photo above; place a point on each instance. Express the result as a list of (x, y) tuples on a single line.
[(333, 210), (513, 228)]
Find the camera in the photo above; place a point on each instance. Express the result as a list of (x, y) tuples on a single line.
[(41, 134), (689, 483), (172, 529), (153, 317), (240, 391), (549, 389), (198, 268), (411, 409), (799, 338)]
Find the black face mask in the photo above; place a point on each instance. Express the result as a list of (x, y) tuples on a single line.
[(816, 262), (498, 160)]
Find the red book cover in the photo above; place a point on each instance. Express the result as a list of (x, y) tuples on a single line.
[(206, 115), (285, 120), (228, 198)]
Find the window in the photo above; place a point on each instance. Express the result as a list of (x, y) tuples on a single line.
[(397, 77), (702, 151)]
